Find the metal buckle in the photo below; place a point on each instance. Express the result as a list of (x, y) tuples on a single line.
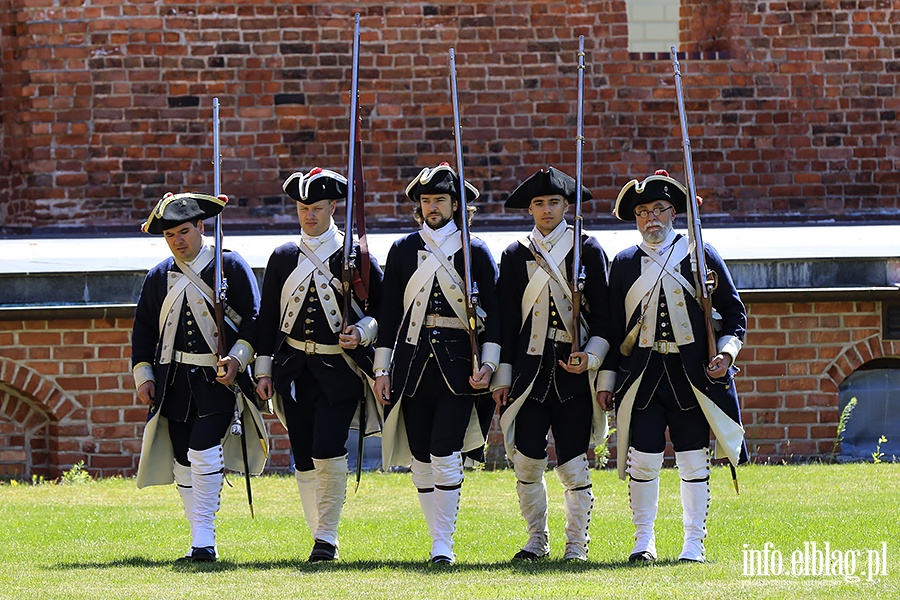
[(309, 347), (664, 347)]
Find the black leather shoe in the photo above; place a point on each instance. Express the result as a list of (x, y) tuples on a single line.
[(322, 552), (527, 555), (207, 554), (440, 559), (642, 557)]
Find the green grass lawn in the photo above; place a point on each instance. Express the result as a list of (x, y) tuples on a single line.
[(106, 539)]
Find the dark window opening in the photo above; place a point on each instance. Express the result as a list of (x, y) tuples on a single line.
[(876, 387)]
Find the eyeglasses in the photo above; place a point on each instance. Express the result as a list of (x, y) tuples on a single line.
[(656, 211)]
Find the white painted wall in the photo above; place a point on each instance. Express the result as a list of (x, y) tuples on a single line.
[(652, 25)]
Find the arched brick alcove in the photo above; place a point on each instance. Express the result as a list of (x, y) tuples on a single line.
[(31, 410)]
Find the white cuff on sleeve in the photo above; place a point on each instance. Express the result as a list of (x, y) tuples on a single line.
[(243, 352), (598, 347), (142, 372), (262, 366), (490, 355), (730, 345), (502, 377), (606, 381), (382, 360), (368, 330)]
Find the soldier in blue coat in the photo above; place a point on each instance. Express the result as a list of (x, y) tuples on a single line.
[(319, 366), (658, 371), (174, 357), (423, 360), (551, 388)]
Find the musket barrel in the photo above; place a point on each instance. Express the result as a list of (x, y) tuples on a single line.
[(705, 280), (693, 213), (463, 207), (354, 107), (470, 290), (577, 282), (579, 141), (217, 190)]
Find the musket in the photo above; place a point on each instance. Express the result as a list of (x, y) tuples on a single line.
[(705, 279), (578, 274), (221, 293), (355, 184), (471, 289), (221, 284)]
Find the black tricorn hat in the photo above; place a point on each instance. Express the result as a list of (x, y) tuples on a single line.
[(658, 186), (441, 179), (173, 210), (318, 184), (546, 183)]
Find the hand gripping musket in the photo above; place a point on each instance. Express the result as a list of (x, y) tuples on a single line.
[(705, 279), (355, 198), (221, 294), (578, 274), (471, 289)]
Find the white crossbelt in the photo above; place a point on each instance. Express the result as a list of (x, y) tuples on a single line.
[(200, 360), (311, 347)]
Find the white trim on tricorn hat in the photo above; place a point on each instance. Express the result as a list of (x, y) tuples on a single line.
[(546, 183), (172, 211), (318, 184), (441, 179), (658, 186)]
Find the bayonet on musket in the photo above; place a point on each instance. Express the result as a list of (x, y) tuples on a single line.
[(578, 275), (471, 289)]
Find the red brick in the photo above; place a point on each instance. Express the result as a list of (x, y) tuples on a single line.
[(765, 432), (114, 432), (73, 352), (110, 462), (104, 416), (798, 417), (765, 370), (109, 338), (40, 339)]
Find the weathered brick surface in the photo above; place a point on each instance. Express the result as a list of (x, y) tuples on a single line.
[(51, 419), (106, 107)]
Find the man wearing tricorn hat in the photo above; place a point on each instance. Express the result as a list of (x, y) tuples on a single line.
[(318, 370), (658, 371), (174, 357), (550, 387), (423, 363)]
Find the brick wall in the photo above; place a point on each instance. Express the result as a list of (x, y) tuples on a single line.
[(66, 392), (106, 106), (797, 355)]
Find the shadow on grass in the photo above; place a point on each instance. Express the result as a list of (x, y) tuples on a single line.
[(302, 566)]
